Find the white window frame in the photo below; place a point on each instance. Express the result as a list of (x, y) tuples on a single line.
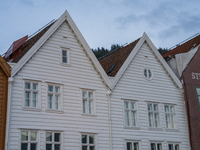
[(156, 144), (130, 110), (147, 77), (88, 144), (153, 112), (132, 142), (29, 138), (68, 56), (93, 109), (31, 90), (53, 142), (60, 105), (170, 114), (174, 144), (197, 89)]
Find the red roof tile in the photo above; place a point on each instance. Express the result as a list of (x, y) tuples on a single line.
[(116, 59), (183, 48)]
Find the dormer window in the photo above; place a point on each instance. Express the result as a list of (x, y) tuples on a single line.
[(65, 59)]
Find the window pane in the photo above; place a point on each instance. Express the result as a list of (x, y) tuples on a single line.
[(57, 89), (129, 146), (91, 107), (27, 85), (48, 146), (84, 138), (24, 135), (64, 59), (176, 147), (35, 86), (132, 105), (33, 136), (50, 88), (85, 106), (84, 93), (145, 73), (198, 91), (159, 146), (151, 120), (166, 108), (33, 146), (126, 105), (127, 118), (48, 136), (57, 147), (153, 146), (24, 146), (172, 109), (91, 139), (174, 121), (133, 116), (150, 107), (168, 123), (27, 98), (90, 94), (84, 147), (50, 97), (35, 97), (170, 146), (136, 146), (64, 53), (92, 147), (57, 101), (155, 107), (56, 137), (149, 71), (156, 116)]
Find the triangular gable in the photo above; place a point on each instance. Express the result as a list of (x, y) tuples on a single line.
[(43, 39), (5, 66), (157, 54)]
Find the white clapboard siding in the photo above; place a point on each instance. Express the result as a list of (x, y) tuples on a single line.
[(45, 67), (133, 86)]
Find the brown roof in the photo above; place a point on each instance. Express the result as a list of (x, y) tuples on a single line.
[(183, 48), (113, 62), (24, 48)]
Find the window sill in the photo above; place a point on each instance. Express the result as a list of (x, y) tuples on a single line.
[(172, 130), (54, 111), (155, 129), (92, 115), (65, 64), (129, 127), (31, 109)]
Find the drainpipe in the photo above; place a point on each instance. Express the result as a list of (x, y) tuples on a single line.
[(10, 82), (109, 111)]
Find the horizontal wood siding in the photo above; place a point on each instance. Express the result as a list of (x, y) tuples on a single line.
[(45, 66), (161, 89)]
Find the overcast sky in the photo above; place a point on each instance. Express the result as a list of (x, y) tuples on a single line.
[(104, 22)]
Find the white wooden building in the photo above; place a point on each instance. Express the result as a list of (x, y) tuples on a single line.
[(60, 98)]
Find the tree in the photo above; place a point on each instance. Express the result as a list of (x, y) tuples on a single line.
[(162, 50)]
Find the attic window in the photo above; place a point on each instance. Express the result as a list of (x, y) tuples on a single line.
[(65, 56), (147, 74)]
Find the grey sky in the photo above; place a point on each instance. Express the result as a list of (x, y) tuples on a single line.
[(104, 22)]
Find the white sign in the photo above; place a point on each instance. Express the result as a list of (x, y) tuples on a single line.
[(196, 76)]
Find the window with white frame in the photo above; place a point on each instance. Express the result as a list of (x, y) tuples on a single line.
[(54, 97), (156, 146), (65, 59), (53, 140), (31, 92), (198, 95), (173, 146), (170, 116), (88, 142), (147, 74), (130, 113), (132, 145), (88, 101), (29, 140), (153, 115)]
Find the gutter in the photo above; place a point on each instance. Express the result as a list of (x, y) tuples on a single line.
[(109, 113), (8, 117)]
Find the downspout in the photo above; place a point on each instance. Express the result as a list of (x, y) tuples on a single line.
[(109, 113), (8, 118)]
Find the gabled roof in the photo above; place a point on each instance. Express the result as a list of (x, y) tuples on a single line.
[(37, 44), (113, 62), (185, 47), (133, 53)]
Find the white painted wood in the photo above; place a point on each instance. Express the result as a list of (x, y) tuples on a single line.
[(161, 89)]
